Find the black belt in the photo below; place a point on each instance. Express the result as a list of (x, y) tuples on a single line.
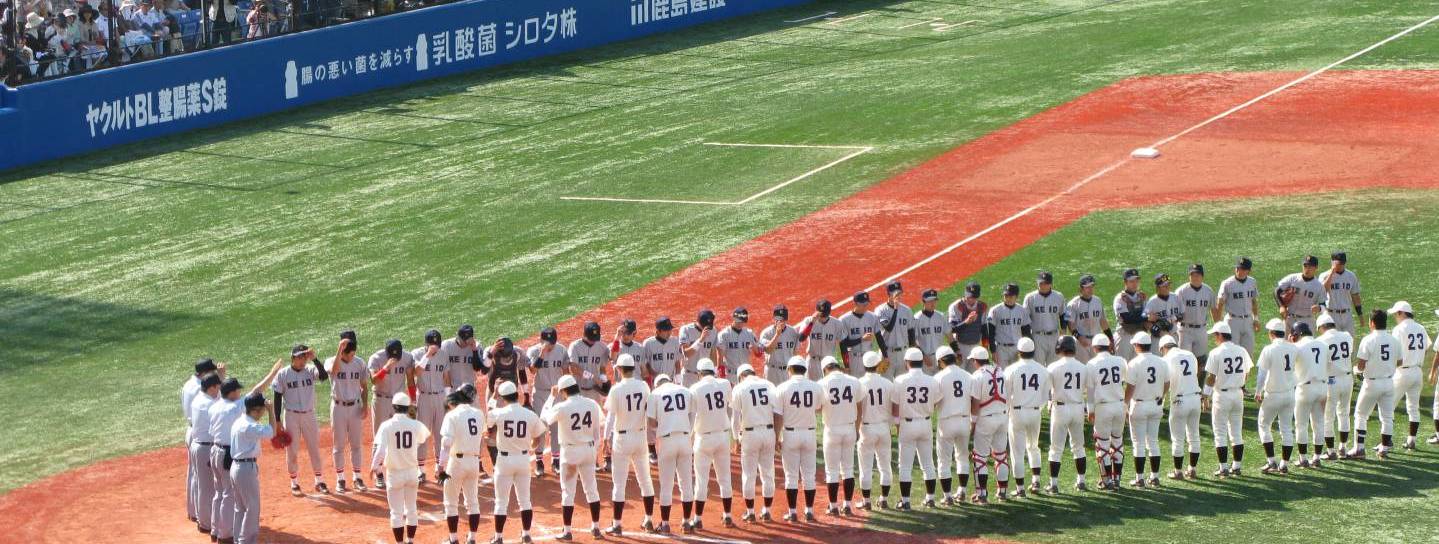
[(462, 455), (1057, 403), (715, 431), (628, 431), (1026, 407), (1185, 394), (248, 460), (432, 392), (1003, 344), (1193, 326), (1379, 378), (811, 429), (521, 452), (1338, 310), (675, 433), (204, 443), (1045, 333), (297, 411), (1241, 317), (579, 444), (347, 403), (766, 426), (1228, 389), (383, 396), (909, 419)]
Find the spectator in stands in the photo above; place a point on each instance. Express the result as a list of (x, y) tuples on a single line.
[(221, 21), (86, 38), (151, 22), (260, 21), (9, 67), (7, 29), (45, 47)]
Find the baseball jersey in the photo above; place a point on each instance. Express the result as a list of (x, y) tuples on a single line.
[(989, 385), (1104, 379), (297, 386), (967, 333), (1414, 341), (1148, 374), (1183, 372), (345, 381), (1229, 363), (956, 390), (1340, 347), (902, 318), (246, 435), (431, 375), (1341, 289), (636, 350), (751, 401), (1007, 321), (1124, 301), (1239, 296), (590, 358), (397, 442), (670, 406), (463, 431), (1085, 316), (1308, 293), (223, 414), (736, 347), (688, 335), (1312, 366), (1066, 381), (1026, 383), (1166, 308), (711, 396), (627, 406), (663, 356), (1276, 367), (918, 394), (799, 400), (842, 394), (855, 327), (549, 368), (878, 394), (1380, 352), (931, 330), (457, 362), (788, 342), (824, 336), (187, 395), (579, 419), (200, 417), (1195, 304), (510, 368), (515, 427), (394, 381), (1044, 310)]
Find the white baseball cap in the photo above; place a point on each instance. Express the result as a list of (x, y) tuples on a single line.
[(1327, 320), (705, 365), (625, 360), (745, 369), (913, 354), (871, 359), (662, 378), (1141, 338), (829, 361), (797, 361), (1168, 340), (943, 351), (1274, 325), (1100, 340), (1402, 306), (979, 353), (1220, 328), (507, 388), (1025, 345), (567, 381), (401, 399)]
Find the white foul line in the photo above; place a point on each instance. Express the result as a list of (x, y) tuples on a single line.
[(820, 16), (942, 28), (843, 19), (924, 22), (1114, 166)]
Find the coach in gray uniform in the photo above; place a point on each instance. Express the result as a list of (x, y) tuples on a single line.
[(931, 328), (966, 320), (1300, 295), (1342, 288), (1196, 301), (895, 321), (1163, 310), (698, 340), (1046, 317), (1129, 312), (1085, 317), (1239, 301), (1006, 324)]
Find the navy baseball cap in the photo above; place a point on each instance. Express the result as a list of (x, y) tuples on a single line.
[(349, 334), (972, 289), (592, 330), (1196, 268), (394, 348), (299, 350), (823, 306), (629, 326), (466, 332), (1244, 263), (230, 385), (781, 311), (1131, 274), (1311, 261), (1300, 329), (1044, 277), (894, 287), (1086, 280), (861, 298), (549, 334), (1161, 280), (432, 337), (664, 324), (740, 314), (1011, 289), (706, 317), (205, 365), (929, 294), (1339, 256)]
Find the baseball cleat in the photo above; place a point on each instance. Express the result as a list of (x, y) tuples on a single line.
[(698, 523), (765, 517), (663, 528), (1019, 492), (648, 526), (1192, 473), (1356, 453), (1081, 486), (1433, 439), (904, 505), (980, 498), (497, 540), (1154, 481), (790, 517), (597, 533), (360, 485), (1137, 482), (565, 537), (1002, 495), (340, 487), (1316, 463), (847, 512), (948, 501), (748, 517), (867, 506), (884, 504), (1176, 474), (615, 530), (1383, 453), (1303, 463), (1034, 487), (1237, 471), (295, 490), (380, 482), (1332, 455), (525, 539), (470, 540), (809, 516), (1269, 468), (1283, 468), (831, 511), (1053, 489), (321, 488), (687, 528)]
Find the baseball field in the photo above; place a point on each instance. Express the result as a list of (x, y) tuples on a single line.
[(780, 158)]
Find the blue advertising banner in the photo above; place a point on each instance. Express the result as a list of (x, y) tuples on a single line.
[(120, 105)]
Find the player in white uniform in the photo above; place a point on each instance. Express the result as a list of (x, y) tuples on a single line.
[(672, 409), (1197, 307), (294, 407), (1104, 384), (188, 390), (955, 421), (931, 328), (799, 400), (1378, 357), (895, 322), (779, 342), (590, 360), (397, 442), (1184, 406), (1433, 379), (1027, 382), (626, 410), (1274, 391), (1046, 318), (578, 418), (1311, 388), (462, 447), (860, 325), (699, 340), (1239, 303), (1163, 310), (712, 440), (1300, 295), (1085, 318), (349, 402), (736, 344), (991, 441), (432, 379), (1146, 385), (518, 431), (823, 333), (1066, 412), (389, 374), (1228, 370), (752, 420), (1341, 287), (1129, 313), (1338, 410), (919, 397), (199, 450), (1005, 325), (548, 361), (1409, 377), (875, 431), (842, 409)]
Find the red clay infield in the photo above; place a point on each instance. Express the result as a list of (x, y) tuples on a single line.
[(1341, 130)]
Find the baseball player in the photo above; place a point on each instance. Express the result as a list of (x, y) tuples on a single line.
[(842, 410), (297, 385), (349, 403), (1005, 325), (919, 396), (1239, 303), (626, 410), (1146, 385), (895, 322), (1163, 310), (966, 320), (1434, 378), (1197, 307), (590, 364), (431, 376), (389, 374), (1104, 383), (246, 436), (1311, 388), (1184, 409), (737, 343), (1228, 370), (462, 360), (991, 441), (823, 333), (200, 445), (1409, 378), (672, 409), (931, 328), (223, 413), (1379, 356), (1046, 318), (880, 410), (1066, 413), (752, 420), (956, 392), (799, 400), (1027, 387), (397, 448), (1300, 295), (188, 391), (1340, 348), (1129, 311), (698, 340), (518, 431), (712, 442), (663, 354), (548, 361), (507, 364), (625, 342), (1341, 287), (462, 447), (779, 342), (578, 418), (1274, 388), (1085, 317), (859, 338)]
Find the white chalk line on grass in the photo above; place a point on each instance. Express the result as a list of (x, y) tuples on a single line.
[(843, 19), (933, 20), (1114, 166), (942, 28), (820, 16)]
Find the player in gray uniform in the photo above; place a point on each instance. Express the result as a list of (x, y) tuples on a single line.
[(349, 401), (294, 409), (432, 379), (625, 342), (823, 332), (860, 325), (1163, 310), (1239, 303), (1342, 291), (590, 363), (966, 320), (462, 358), (1085, 317), (699, 340), (390, 373), (779, 342), (548, 361), (1129, 312), (1005, 325), (663, 352), (736, 344), (931, 328), (1300, 296), (1197, 307), (1046, 317), (895, 321)]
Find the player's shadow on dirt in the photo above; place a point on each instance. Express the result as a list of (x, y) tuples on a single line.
[(39, 329)]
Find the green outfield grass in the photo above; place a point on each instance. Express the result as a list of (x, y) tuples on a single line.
[(1387, 238), (437, 204)]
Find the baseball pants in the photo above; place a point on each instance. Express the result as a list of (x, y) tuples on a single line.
[(1408, 384), (991, 441), (1108, 430), (675, 455), (245, 479), (348, 425), (1291, 320), (1144, 416), (874, 451), (1309, 412), (190, 493), (1226, 417), (380, 410), (204, 484), (1121, 346), (1024, 437), (1066, 426), (512, 472), (1192, 338), (964, 350), (552, 448), (897, 364), (1044, 344), (777, 375), (401, 489), (1184, 424), (916, 442), (1005, 354), (464, 480), (222, 506), (797, 452), (1277, 405), (302, 426), (756, 458), (953, 445), (1375, 393), (839, 450), (816, 369), (1338, 408), (630, 451), (712, 453), (1242, 331), (577, 466), (1343, 320), (430, 410)]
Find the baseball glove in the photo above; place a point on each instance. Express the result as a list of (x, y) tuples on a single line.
[(883, 367), (281, 440), (1288, 296)]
